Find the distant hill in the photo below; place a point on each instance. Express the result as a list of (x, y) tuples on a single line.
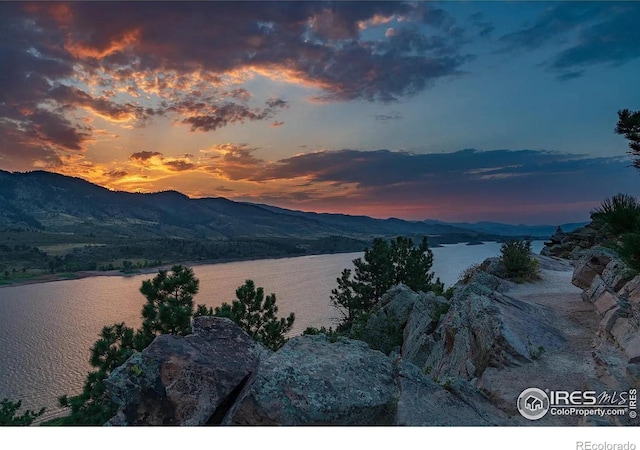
[(502, 229), (61, 204), (56, 203)]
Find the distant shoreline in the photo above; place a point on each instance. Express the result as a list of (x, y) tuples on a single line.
[(65, 276)]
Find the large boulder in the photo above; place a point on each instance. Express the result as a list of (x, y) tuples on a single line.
[(312, 381), (189, 380), (484, 328), (422, 321), (592, 263), (385, 327)]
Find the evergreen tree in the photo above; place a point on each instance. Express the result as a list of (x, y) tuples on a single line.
[(384, 265), (169, 304), (629, 126), (345, 299), (257, 315)]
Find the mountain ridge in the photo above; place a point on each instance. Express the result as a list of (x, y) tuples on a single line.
[(59, 203)]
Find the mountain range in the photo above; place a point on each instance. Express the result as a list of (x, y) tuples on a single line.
[(56, 203)]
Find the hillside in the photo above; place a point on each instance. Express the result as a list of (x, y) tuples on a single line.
[(54, 224), (56, 203)]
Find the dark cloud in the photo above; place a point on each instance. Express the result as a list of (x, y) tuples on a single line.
[(553, 24), (274, 103), (484, 27), (387, 117), (71, 97), (203, 116), (19, 149), (116, 174), (236, 162), (500, 177), (179, 165), (58, 58), (144, 156), (605, 33), (612, 41), (319, 41)]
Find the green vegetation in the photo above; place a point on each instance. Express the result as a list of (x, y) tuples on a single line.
[(619, 218), (256, 314), (629, 126), (469, 272), (168, 310), (618, 215), (27, 254), (169, 304), (441, 310), (385, 264), (9, 415), (516, 261)]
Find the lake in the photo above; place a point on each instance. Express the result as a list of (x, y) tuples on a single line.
[(47, 329)]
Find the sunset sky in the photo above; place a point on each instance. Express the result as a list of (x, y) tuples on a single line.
[(470, 111)]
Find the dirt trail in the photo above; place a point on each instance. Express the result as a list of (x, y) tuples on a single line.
[(570, 368)]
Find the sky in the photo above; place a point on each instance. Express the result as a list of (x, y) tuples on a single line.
[(458, 111)]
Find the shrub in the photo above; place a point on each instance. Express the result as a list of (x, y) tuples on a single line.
[(629, 249), (618, 215), (9, 414), (469, 272), (517, 262)]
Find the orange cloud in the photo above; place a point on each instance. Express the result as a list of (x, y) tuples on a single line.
[(80, 49)]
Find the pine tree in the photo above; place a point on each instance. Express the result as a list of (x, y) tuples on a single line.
[(169, 304), (384, 265), (257, 315), (629, 126)]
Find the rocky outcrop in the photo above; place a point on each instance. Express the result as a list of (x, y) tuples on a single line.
[(185, 380), (386, 329), (423, 402), (218, 375), (572, 245), (311, 381), (483, 328), (613, 289)]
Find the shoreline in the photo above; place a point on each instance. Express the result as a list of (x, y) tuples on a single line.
[(66, 276)]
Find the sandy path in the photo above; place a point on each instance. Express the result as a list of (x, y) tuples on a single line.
[(570, 368)]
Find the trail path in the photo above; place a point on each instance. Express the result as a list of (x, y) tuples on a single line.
[(574, 366)]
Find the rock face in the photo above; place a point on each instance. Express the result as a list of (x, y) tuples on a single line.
[(386, 328), (610, 285), (311, 381), (483, 328), (573, 245), (184, 380), (424, 402)]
